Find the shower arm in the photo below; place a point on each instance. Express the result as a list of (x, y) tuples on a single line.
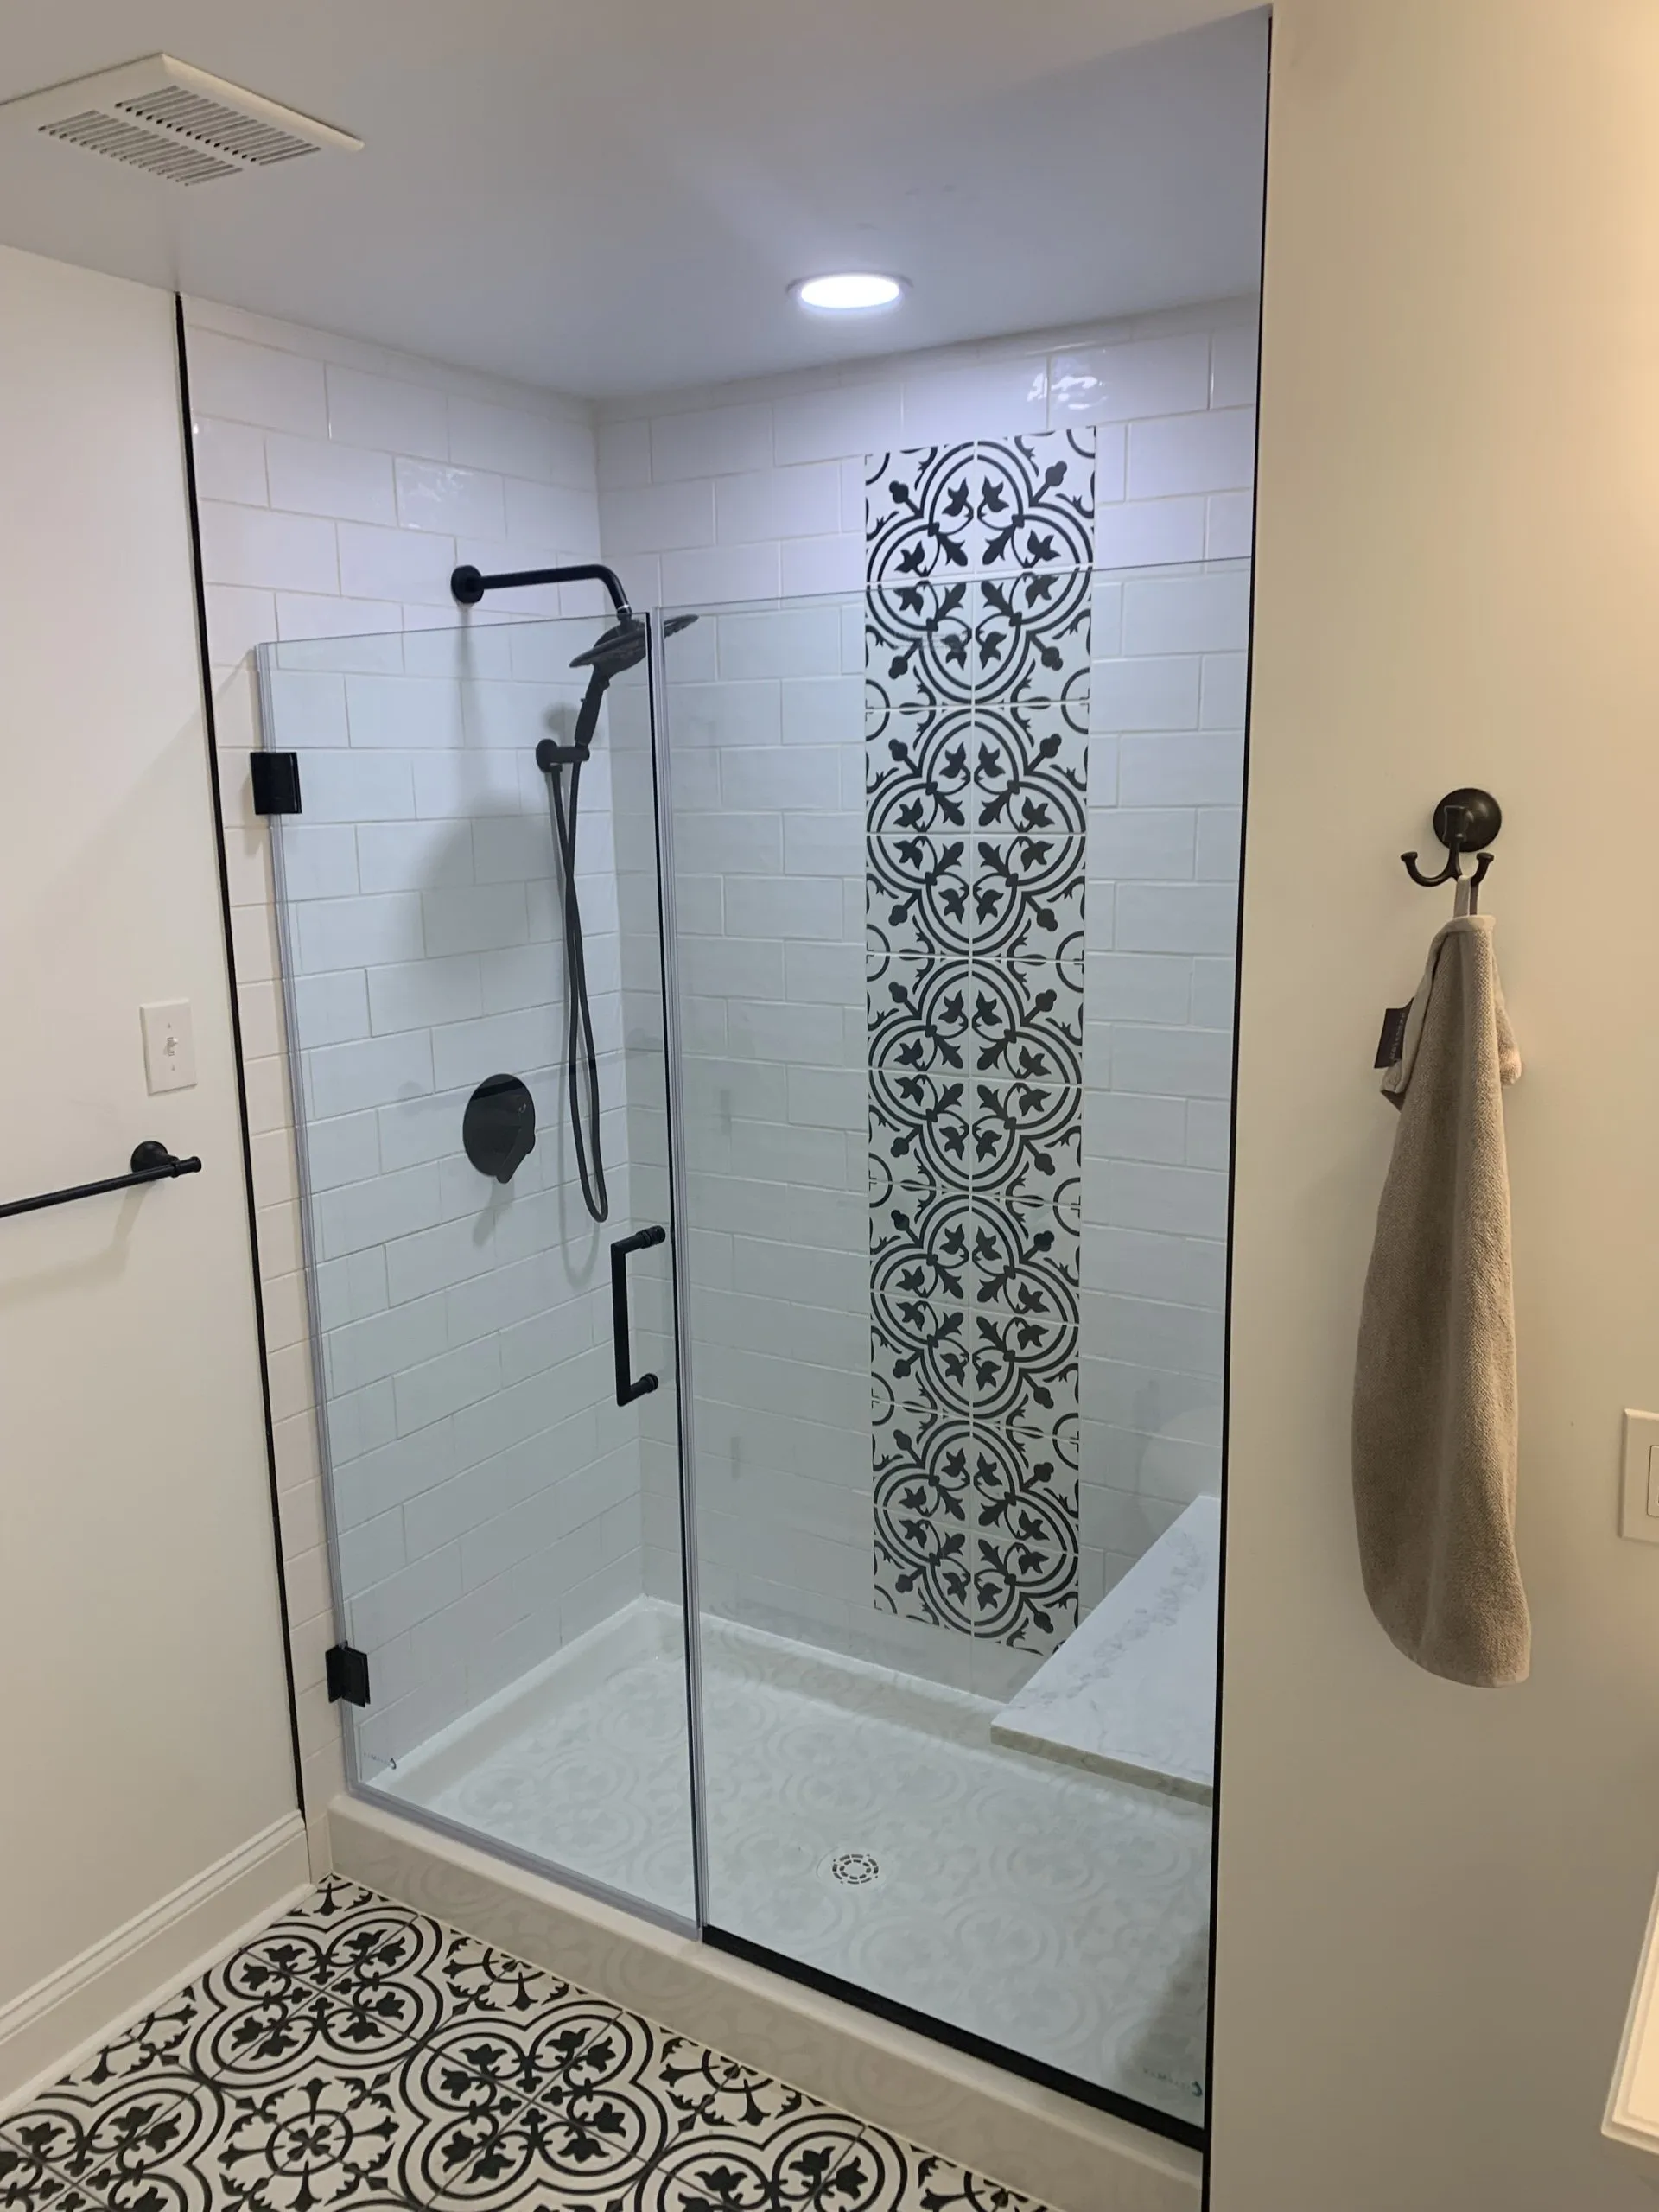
[(469, 586)]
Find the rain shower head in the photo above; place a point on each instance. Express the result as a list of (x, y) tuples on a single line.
[(624, 647), (611, 655)]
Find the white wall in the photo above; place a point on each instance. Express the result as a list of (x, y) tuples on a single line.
[(144, 1735), (758, 489), (339, 486), (1433, 1897)]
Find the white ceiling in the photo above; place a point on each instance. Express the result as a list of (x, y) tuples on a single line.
[(610, 196)]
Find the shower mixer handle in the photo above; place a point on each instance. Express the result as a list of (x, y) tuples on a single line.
[(629, 1386)]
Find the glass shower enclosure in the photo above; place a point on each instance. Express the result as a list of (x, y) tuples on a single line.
[(875, 1640), (488, 1486)]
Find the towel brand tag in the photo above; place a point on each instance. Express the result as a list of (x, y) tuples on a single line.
[(1391, 1043)]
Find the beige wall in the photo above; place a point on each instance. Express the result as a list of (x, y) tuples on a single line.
[(1432, 1898), (144, 1736)]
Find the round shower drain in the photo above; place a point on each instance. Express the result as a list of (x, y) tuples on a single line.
[(855, 1868)]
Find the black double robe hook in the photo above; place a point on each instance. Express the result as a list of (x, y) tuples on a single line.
[(1465, 821)]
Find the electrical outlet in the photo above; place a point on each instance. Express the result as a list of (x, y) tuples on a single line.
[(169, 1046), (1639, 1507)]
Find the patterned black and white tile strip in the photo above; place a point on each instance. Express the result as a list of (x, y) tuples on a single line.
[(357, 2056), (979, 576)]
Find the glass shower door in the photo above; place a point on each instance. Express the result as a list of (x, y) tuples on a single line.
[(955, 880), (476, 1051)]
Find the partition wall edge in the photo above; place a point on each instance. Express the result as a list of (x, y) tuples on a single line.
[(210, 733), (1432, 1898)]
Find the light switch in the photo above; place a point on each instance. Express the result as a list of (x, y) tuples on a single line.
[(1639, 1514), (169, 1046)]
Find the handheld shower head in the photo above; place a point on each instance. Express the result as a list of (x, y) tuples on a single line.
[(619, 648)]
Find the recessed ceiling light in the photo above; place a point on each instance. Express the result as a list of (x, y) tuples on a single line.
[(853, 291)]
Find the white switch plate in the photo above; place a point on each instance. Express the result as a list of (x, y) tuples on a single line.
[(1638, 1517), (170, 1048)]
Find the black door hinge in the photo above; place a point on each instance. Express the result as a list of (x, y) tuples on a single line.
[(276, 783), (348, 1675)]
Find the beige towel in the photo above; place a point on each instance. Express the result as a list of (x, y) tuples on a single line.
[(1434, 1414)]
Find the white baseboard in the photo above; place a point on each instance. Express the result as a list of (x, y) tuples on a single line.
[(998, 2125), (43, 2031)]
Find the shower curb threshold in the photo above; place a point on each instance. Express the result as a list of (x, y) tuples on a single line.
[(1068, 2155)]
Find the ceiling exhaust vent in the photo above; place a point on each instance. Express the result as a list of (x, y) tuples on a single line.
[(176, 122)]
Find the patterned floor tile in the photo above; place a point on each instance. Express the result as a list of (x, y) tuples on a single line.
[(289, 1954), (479, 1982), (116, 2128), (584, 2154), (370, 1941), (252, 2045), (805, 2161), (320, 2140), (927, 2183), (29, 2185), (155, 2043), (255, 2090), (719, 2092), (543, 2058)]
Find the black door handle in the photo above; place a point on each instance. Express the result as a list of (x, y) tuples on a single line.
[(628, 1385)]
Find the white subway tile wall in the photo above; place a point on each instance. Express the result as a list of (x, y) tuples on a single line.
[(339, 485), (767, 731)]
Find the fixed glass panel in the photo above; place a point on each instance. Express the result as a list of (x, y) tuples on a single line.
[(472, 962), (955, 870)]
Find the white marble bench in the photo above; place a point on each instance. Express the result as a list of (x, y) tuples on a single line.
[(1132, 1691)]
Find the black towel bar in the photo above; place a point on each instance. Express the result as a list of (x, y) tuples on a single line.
[(151, 1163)]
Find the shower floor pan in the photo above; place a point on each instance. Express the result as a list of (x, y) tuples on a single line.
[(864, 1823)]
